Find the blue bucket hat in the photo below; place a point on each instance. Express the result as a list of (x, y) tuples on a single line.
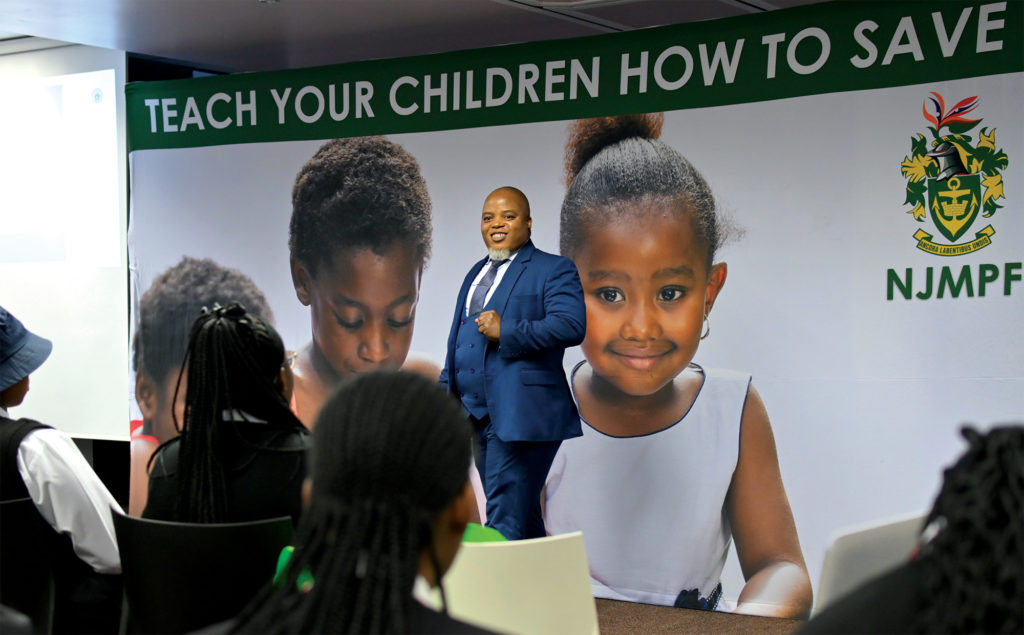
[(21, 351)]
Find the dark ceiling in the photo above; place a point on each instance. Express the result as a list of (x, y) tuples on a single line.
[(255, 35)]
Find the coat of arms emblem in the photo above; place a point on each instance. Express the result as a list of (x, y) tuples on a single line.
[(953, 180)]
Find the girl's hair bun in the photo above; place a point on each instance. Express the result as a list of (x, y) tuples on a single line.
[(587, 137)]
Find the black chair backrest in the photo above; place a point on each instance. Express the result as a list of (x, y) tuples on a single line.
[(179, 577), (27, 546)]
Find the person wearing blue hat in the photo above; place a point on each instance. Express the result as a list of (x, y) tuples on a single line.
[(44, 464)]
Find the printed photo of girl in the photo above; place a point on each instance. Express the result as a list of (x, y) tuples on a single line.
[(676, 461)]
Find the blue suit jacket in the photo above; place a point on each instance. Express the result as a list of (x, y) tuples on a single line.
[(540, 301)]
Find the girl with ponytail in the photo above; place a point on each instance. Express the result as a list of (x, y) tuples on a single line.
[(241, 451), (389, 502), (676, 460)]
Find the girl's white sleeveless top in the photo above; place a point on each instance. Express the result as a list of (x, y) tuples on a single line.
[(651, 507)]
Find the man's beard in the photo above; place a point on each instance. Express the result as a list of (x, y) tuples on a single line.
[(499, 254)]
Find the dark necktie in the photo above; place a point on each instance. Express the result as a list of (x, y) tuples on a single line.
[(476, 303)]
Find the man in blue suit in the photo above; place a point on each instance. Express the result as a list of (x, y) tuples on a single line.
[(517, 311)]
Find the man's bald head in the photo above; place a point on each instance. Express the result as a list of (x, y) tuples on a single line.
[(505, 222), (512, 194)]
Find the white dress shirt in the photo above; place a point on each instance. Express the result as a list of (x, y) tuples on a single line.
[(70, 496), (425, 594), (502, 268)]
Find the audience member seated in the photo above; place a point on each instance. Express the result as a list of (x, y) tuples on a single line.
[(241, 452), (967, 576), (388, 503), (44, 464), (166, 311)]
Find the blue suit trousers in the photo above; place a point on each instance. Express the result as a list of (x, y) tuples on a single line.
[(512, 474)]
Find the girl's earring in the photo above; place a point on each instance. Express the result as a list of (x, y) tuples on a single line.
[(707, 328)]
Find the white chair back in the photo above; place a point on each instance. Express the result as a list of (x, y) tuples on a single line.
[(533, 587), (857, 554)]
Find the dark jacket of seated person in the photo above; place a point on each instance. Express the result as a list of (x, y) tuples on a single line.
[(386, 511), (60, 562), (419, 619), (263, 472), (241, 454)]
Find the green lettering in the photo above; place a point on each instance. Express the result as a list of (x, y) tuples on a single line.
[(1009, 276), (927, 293), (986, 274), (946, 281), (894, 281)]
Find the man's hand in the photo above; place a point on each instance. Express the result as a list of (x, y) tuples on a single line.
[(489, 323)]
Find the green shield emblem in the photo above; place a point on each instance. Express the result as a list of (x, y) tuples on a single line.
[(954, 204)]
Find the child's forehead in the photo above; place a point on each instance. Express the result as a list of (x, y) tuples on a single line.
[(643, 242), (370, 277)]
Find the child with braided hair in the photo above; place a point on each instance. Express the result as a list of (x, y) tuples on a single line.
[(166, 313), (359, 239), (388, 504), (675, 461), (241, 452), (973, 565)]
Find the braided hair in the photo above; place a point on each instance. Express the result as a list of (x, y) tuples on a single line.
[(358, 192), (390, 453), (233, 361), (973, 570), (615, 166)]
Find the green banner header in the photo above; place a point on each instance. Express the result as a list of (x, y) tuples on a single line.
[(823, 48)]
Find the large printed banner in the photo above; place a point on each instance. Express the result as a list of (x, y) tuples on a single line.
[(838, 47), (869, 158)]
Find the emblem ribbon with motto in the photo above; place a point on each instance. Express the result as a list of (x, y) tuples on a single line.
[(955, 182)]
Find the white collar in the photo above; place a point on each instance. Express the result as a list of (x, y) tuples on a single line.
[(425, 594), (3, 413)]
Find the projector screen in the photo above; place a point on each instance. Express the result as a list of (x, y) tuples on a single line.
[(62, 230)]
